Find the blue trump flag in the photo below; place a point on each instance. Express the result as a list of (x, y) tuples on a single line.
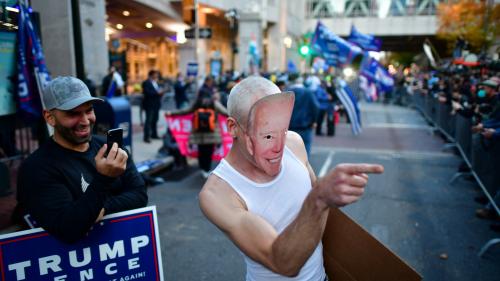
[(33, 74), (350, 104), (383, 79), (365, 41), (368, 67), (335, 50), (377, 73)]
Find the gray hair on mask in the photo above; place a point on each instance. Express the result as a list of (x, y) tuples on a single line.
[(245, 94)]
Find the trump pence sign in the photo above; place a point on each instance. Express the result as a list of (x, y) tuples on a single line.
[(123, 246)]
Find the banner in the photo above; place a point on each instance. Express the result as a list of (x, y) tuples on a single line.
[(365, 41), (335, 50), (181, 126), (7, 72), (33, 74), (123, 246)]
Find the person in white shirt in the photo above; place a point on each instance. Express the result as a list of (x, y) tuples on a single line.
[(264, 194)]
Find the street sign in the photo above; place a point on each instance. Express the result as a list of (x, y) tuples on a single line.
[(192, 69), (204, 33)]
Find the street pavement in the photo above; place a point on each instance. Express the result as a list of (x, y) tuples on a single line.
[(411, 208)]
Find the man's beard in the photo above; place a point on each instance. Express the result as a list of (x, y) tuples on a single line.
[(67, 134)]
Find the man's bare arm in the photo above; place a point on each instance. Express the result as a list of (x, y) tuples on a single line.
[(287, 252), (284, 254)]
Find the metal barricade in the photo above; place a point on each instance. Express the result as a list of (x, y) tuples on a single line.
[(433, 109), (489, 152), (482, 156), (25, 143), (444, 120), (429, 101), (419, 101), (452, 120), (463, 136)]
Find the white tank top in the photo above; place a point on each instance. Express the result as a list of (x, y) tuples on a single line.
[(278, 202)]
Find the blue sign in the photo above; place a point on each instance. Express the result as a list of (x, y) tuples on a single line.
[(192, 69), (123, 246)]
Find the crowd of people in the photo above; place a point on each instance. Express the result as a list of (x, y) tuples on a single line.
[(74, 179), (314, 112), (472, 93), (272, 121)]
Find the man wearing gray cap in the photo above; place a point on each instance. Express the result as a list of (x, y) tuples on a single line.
[(68, 183)]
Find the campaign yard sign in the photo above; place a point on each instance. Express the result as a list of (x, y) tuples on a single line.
[(181, 127), (123, 246)]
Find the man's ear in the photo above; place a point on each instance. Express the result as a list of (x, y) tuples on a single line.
[(232, 127), (49, 117), (249, 145)]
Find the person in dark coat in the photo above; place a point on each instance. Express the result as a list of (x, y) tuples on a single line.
[(208, 87), (305, 111), (151, 104)]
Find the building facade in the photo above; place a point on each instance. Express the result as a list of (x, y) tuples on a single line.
[(246, 35)]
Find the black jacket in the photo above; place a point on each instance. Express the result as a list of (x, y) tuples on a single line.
[(63, 192), (152, 98)]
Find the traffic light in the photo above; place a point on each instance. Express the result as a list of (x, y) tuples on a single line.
[(304, 50)]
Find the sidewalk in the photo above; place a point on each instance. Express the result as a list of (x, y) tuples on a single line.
[(142, 151)]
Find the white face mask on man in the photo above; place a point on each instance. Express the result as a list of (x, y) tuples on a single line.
[(268, 123)]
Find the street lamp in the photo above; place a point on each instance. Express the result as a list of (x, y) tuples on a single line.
[(287, 41)]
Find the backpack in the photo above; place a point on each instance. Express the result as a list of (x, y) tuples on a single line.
[(204, 120)]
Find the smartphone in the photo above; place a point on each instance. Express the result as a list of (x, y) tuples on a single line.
[(114, 135)]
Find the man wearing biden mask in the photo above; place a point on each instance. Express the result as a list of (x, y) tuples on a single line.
[(264, 194)]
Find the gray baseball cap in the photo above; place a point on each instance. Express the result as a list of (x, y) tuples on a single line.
[(65, 93)]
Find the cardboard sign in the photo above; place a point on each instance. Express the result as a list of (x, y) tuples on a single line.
[(123, 246), (181, 127), (350, 253)]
